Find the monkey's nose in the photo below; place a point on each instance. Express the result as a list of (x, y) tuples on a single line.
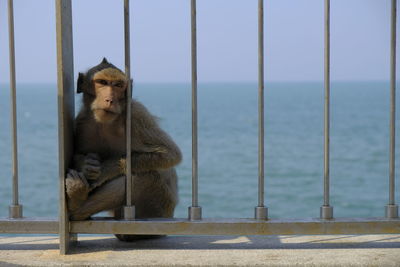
[(109, 101)]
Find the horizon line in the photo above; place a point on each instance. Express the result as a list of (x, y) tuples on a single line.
[(218, 82)]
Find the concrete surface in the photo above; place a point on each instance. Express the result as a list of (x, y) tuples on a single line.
[(367, 250)]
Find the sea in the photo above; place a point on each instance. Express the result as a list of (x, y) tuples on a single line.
[(228, 147)]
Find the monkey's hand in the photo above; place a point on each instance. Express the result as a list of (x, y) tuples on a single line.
[(77, 189), (110, 169), (91, 166)]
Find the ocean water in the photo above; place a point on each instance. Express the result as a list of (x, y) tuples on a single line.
[(228, 147)]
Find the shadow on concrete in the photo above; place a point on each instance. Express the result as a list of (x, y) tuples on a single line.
[(235, 242), (6, 264), (28, 247), (29, 243), (91, 243)]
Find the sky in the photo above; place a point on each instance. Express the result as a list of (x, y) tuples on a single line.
[(226, 33)]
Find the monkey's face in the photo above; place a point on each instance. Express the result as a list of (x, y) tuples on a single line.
[(109, 88)]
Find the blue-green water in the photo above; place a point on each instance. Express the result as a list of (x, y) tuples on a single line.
[(228, 147)]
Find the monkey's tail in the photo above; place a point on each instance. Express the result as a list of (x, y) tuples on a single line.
[(133, 238)]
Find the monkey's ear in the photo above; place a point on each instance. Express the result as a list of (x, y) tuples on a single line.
[(79, 85), (105, 61)]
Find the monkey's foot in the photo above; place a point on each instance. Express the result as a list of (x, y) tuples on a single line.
[(91, 166), (77, 188)]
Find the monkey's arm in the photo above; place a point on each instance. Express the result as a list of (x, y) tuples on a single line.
[(152, 148), (163, 155), (97, 172), (78, 161), (157, 156)]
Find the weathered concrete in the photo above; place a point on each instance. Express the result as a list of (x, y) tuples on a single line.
[(368, 250)]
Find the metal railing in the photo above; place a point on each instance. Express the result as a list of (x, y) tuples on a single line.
[(194, 224), (392, 209), (15, 210), (129, 209)]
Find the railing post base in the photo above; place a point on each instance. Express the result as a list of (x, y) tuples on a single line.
[(261, 213), (326, 212), (392, 211), (194, 213), (15, 211), (129, 213)]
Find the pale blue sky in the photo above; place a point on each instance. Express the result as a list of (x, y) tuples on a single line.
[(227, 39)]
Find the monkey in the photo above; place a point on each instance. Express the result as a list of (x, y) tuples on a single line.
[(97, 180)]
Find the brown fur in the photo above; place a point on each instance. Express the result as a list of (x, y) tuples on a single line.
[(97, 180)]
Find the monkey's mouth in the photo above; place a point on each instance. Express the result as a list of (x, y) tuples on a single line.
[(105, 115), (107, 111)]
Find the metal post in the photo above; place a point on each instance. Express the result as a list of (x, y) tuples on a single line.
[(129, 209), (391, 210), (261, 212), (326, 211), (66, 110), (195, 209), (15, 210)]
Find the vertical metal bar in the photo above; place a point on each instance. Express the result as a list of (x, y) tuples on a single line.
[(261, 212), (129, 209), (15, 210), (326, 210), (194, 108), (66, 109), (260, 105), (194, 210), (327, 106), (392, 209)]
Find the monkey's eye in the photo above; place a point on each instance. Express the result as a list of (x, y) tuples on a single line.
[(100, 81), (119, 84)]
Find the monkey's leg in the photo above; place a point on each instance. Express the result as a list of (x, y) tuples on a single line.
[(107, 197), (118, 215), (155, 196)]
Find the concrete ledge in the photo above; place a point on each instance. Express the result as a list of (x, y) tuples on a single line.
[(326, 250)]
